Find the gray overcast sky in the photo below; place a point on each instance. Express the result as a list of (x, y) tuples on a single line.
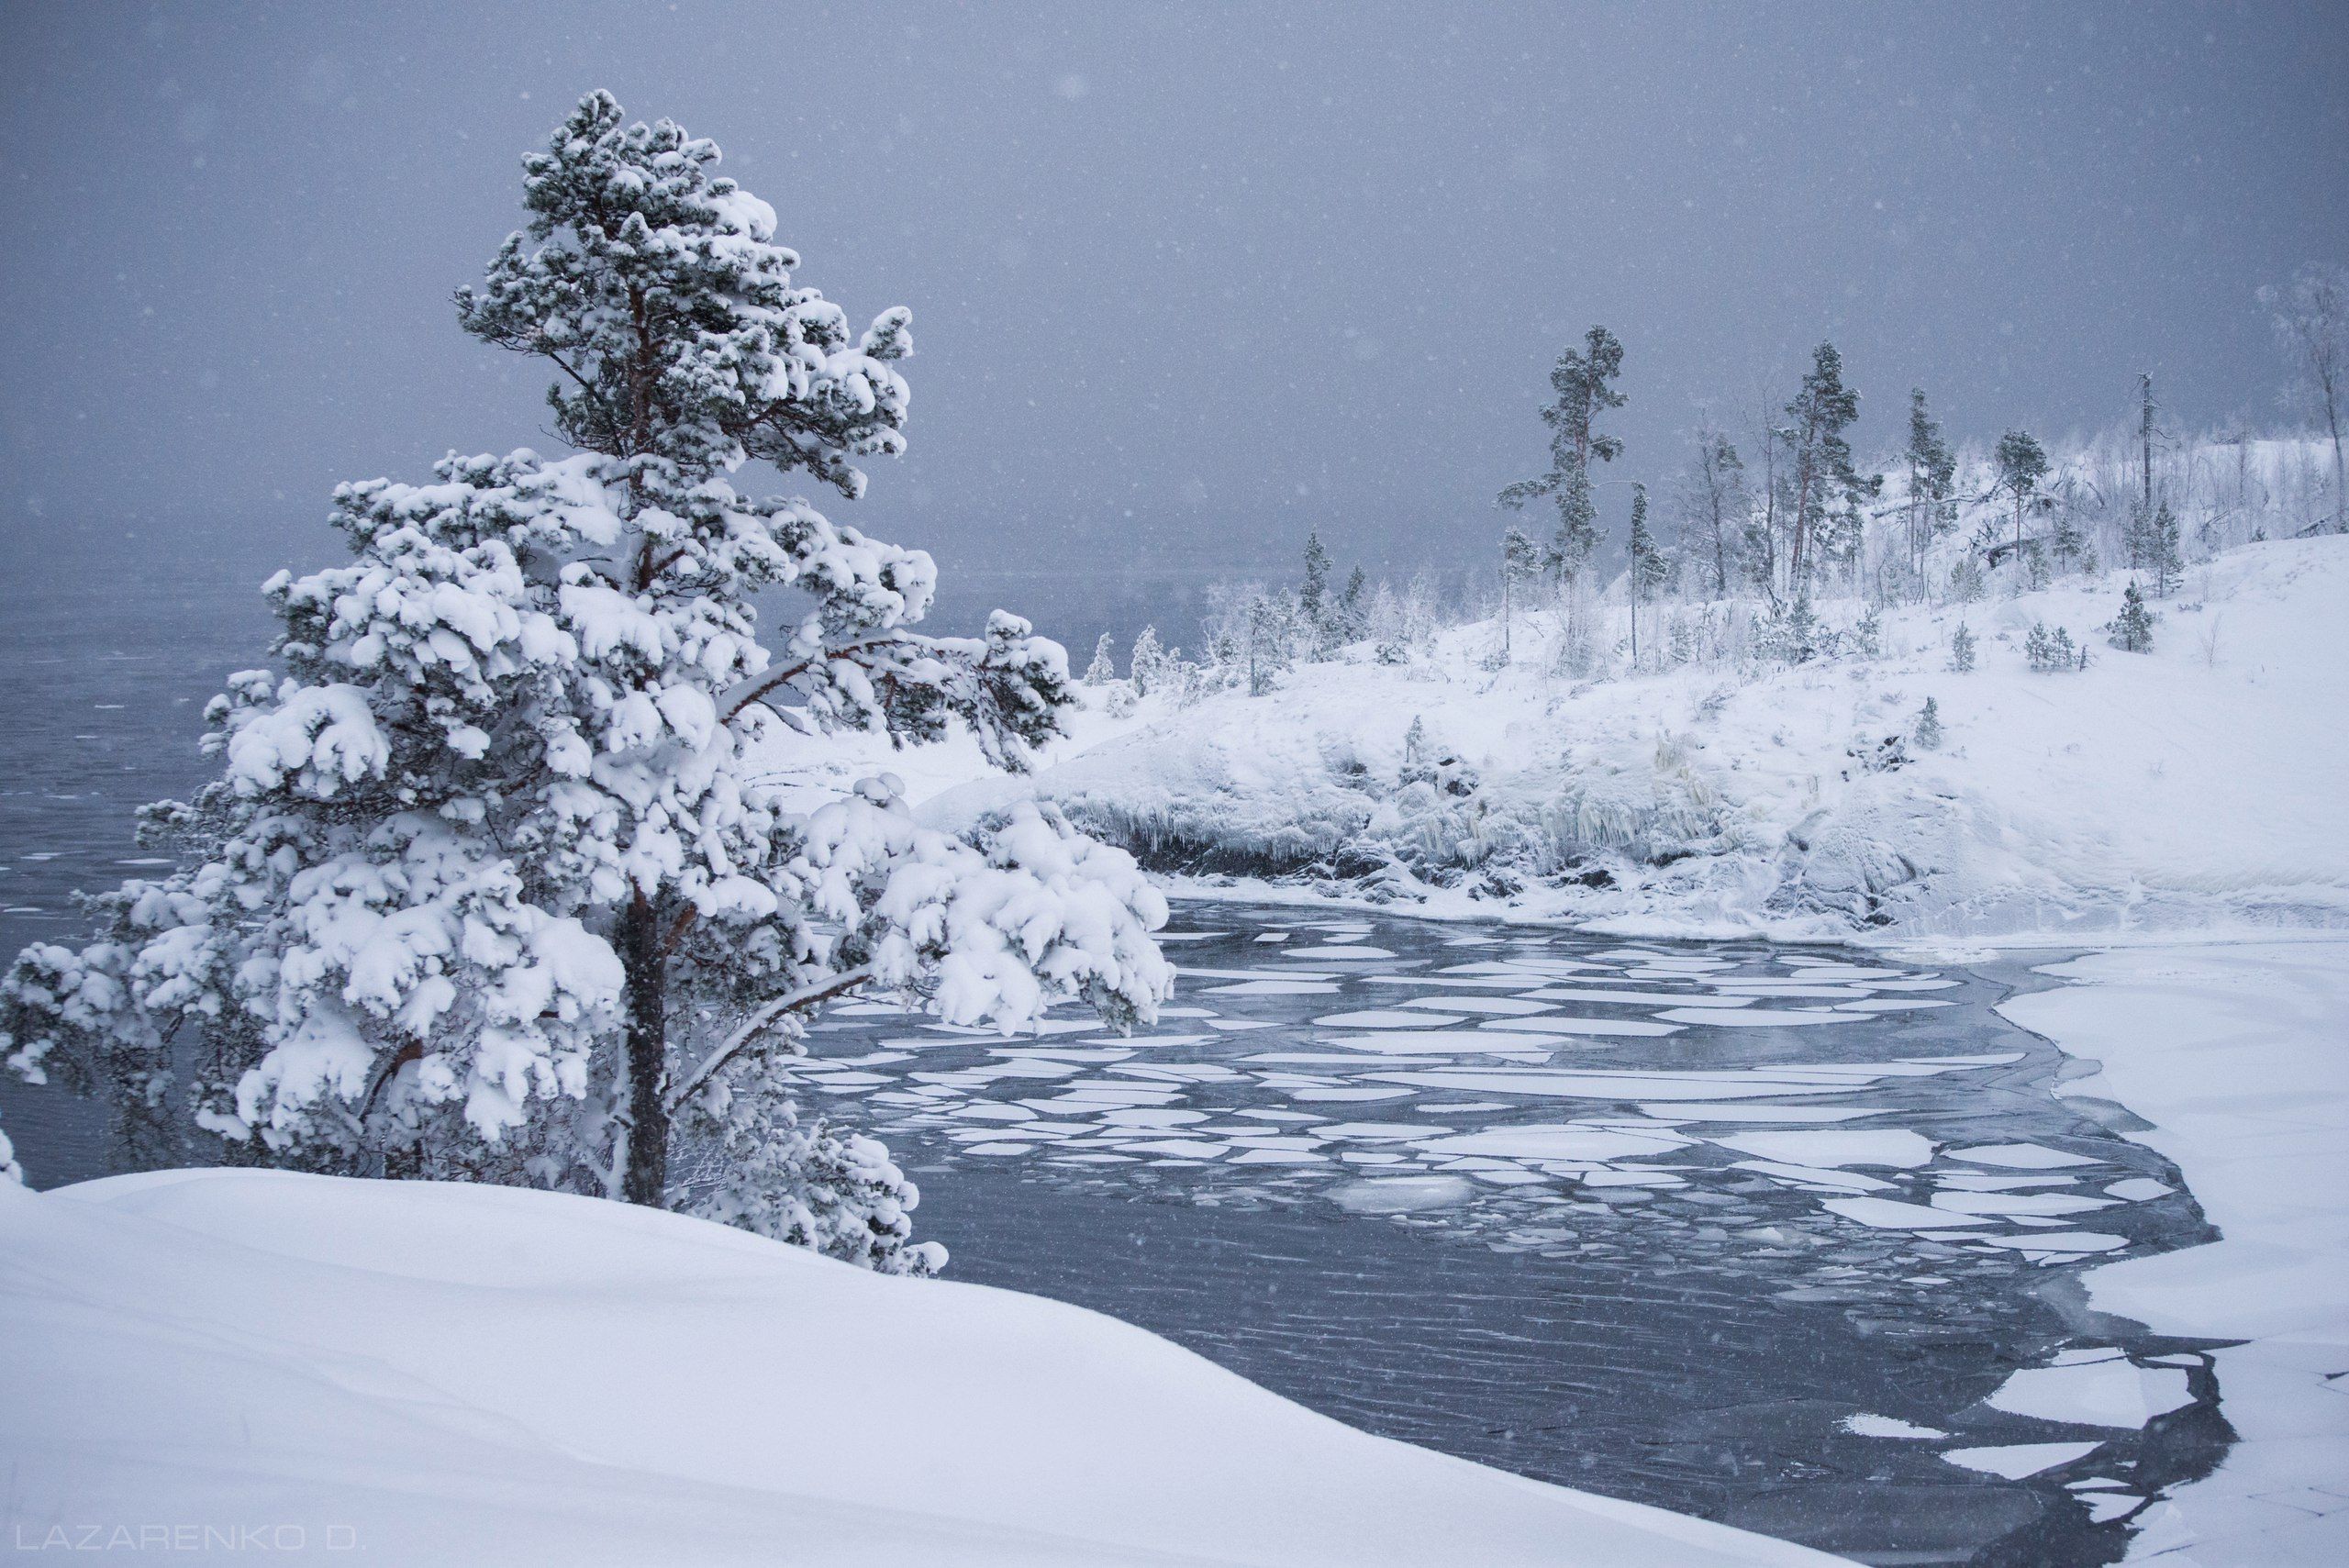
[(1194, 277)]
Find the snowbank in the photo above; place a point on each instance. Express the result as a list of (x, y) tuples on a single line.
[(2187, 789), (2236, 1054), (469, 1374)]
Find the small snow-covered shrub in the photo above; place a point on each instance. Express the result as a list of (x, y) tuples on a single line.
[(2132, 630), (2048, 651)]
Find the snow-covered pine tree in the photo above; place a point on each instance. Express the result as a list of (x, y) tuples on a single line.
[(1389, 628), (1264, 638), (1520, 568), (2136, 535), (1867, 634), (1353, 607), (1819, 459), (1789, 631), (2162, 551), (2047, 652), (1966, 584), (2133, 629), (1647, 563), (1584, 382), (1104, 669), (2069, 544), (2022, 463), (1929, 727), (490, 887), (1146, 666), (9, 1169), (1932, 478), (1961, 649), (2038, 647), (1313, 598)]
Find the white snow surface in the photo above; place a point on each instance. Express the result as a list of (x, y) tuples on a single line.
[(2184, 790), (429, 1373), (2235, 1053)]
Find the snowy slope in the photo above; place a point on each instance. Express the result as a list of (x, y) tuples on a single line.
[(2234, 1053), (427, 1374), (2191, 788)]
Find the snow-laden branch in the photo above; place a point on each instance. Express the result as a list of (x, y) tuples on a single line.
[(759, 1022)]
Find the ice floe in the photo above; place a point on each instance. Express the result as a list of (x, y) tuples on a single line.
[(1866, 1424), (2021, 1157), (1400, 1195), (2110, 1391), (1896, 1146), (2016, 1461)]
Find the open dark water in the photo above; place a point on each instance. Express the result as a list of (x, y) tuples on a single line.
[(1546, 1251), (1512, 1229)]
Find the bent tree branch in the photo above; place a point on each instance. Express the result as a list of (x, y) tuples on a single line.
[(765, 1019)]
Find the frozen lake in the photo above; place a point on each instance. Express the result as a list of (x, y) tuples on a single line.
[(1743, 1231)]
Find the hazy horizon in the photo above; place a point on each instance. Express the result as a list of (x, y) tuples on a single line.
[(1185, 283)]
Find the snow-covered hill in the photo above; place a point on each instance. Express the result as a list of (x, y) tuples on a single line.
[(2195, 787), (412, 1372)]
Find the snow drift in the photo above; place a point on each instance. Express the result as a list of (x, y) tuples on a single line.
[(466, 1375)]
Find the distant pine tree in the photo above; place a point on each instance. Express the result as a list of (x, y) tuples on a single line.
[(1789, 632), (1353, 607), (1965, 584), (1647, 562), (1932, 480), (1146, 666), (2132, 629), (1103, 670), (1961, 649), (2070, 545), (1820, 474), (1868, 636), (2022, 463), (1520, 567), (1266, 649), (2162, 554), (2046, 650), (2038, 647), (1929, 727), (1313, 594), (1585, 385)]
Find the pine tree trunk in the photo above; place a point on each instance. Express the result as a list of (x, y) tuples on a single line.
[(646, 1180)]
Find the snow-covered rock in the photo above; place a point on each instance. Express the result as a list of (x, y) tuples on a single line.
[(412, 1372)]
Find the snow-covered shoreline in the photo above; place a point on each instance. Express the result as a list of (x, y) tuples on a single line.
[(2234, 1054), (2177, 793), (466, 1375)]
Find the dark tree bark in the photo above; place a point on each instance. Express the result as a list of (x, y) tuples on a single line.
[(644, 959)]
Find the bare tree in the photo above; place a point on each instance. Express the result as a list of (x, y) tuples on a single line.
[(2312, 325), (1714, 507)]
